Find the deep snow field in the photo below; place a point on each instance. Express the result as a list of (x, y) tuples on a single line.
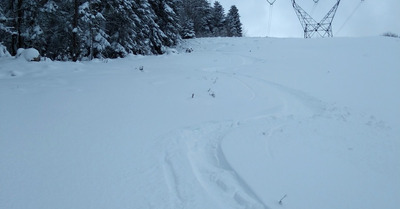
[(237, 123)]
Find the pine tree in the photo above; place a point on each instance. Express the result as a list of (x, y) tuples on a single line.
[(3, 20), (234, 26), (64, 30), (94, 35), (32, 33), (199, 13), (185, 20), (218, 20), (150, 35), (5, 30), (123, 26), (167, 19), (202, 25), (187, 31), (10, 29)]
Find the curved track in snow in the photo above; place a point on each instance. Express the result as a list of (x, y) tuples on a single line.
[(200, 148)]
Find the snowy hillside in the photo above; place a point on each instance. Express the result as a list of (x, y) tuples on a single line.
[(237, 123)]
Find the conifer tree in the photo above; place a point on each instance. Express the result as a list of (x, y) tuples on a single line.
[(199, 13), (31, 29), (187, 29), (5, 30), (122, 24), (186, 21), (203, 19), (150, 35), (234, 26), (11, 25), (93, 23), (218, 20), (3, 19), (167, 19)]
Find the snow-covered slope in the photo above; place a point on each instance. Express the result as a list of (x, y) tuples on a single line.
[(237, 123)]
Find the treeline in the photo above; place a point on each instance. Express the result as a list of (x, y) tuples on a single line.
[(77, 29)]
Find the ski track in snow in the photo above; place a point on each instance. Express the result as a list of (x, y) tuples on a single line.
[(200, 147)]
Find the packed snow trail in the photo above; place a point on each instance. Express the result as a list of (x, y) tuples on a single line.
[(237, 123)]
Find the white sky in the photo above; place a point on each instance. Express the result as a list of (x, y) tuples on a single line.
[(372, 18)]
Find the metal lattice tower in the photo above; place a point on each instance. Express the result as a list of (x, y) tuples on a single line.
[(313, 28)]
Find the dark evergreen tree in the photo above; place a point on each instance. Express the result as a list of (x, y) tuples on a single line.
[(93, 24), (31, 29), (167, 19), (10, 22), (5, 30), (199, 13), (218, 20), (233, 24), (187, 31), (123, 27), (3, 20), (185, 20), (203, 24), (150, 35)]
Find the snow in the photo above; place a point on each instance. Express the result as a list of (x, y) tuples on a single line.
[(3, 51), (316, 120), (30, 54), (50, 6)]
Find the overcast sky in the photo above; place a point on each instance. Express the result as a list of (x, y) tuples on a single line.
[(371, 18)]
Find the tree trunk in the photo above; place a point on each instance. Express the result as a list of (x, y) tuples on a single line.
[(75, 41), (20, 19), (91, 31)]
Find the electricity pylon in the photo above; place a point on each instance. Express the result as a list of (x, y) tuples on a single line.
[(313, 28)]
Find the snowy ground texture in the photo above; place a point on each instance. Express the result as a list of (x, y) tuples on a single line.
[(237, 123)]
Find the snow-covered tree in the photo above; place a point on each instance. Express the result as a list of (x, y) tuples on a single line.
[(167, 19), (32, 32), (10, 25), (122, 25), (218, 20), (93, 23), (150, 36), (187, 31), (3, 20), (199, 13), (5, 31), (233, 24)]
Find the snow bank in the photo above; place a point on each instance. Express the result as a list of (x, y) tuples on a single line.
[(4, 52), (29, 55)]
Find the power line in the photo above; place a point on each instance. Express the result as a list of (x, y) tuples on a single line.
[(350, 16)]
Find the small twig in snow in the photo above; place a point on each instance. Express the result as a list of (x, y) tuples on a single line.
[(280, 201)]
